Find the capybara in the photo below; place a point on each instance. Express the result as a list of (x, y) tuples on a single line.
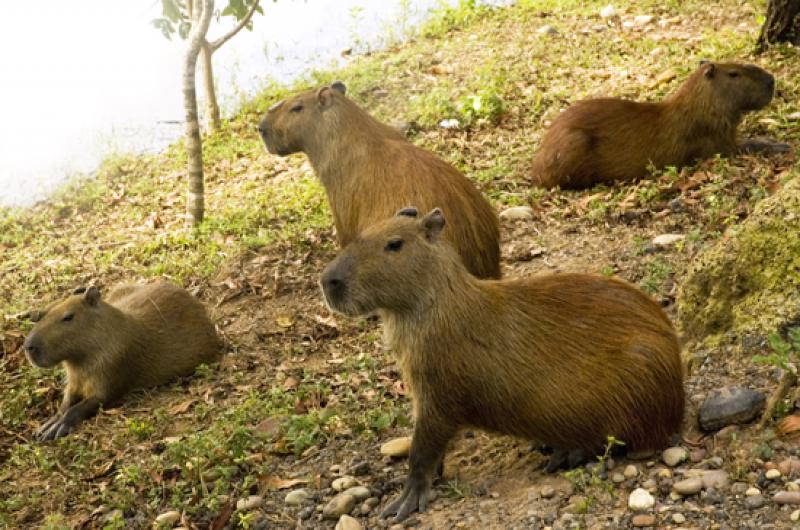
[(369, 171), (608, 139), (565, 359), (138, 336)]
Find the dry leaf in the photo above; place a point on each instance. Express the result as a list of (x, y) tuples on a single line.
[(182, 407), (277, 483)]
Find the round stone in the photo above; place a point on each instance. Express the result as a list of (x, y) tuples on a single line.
[(674, 456), (795, 516), (716, 479), (348, 523), (338, 506), (249, 503), (517, 212), (787, 497), (640, 500), (631, 471), (617, 478), (397, 448), (754, 502), (678, 518), (343, 483), (751, 491), (547, 492), (168, 518), (297, 497), (643, 520), (773, 474), (688, 486), (359, 492)]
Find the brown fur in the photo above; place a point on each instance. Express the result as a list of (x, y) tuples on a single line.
[(139, 336), (369, 171), (608, 139), (565, 359)]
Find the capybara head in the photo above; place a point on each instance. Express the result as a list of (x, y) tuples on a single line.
[(744, 87), (388, 266), (289, 125), (64, 329)]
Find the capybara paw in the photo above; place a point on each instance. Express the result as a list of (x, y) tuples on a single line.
[(566, 458), (765, 146), (54, 429), (414, 498)]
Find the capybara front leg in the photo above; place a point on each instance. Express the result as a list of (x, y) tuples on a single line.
[(67, 422), (427, 452)]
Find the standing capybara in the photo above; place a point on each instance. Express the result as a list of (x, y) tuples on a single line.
[(370, 171), (565, 359), (138, 336), (609, 139)]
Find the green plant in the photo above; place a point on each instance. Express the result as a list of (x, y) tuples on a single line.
[(784, 350)]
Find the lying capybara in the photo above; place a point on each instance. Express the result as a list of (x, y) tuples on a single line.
[(370, 171), (138, 336), (565, 359), (609, 139)]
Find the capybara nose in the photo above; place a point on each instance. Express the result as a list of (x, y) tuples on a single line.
[(31, 349), (333, 285)]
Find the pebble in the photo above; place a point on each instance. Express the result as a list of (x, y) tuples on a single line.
[(343, 483), (688, 486), (338, 506), (547, 30), (730, 405), (795, 516), (397, 448), (347, 523), (649, 484), (772, 474), (752, 491), (696, 455), (297, 497), (643, 520), (790, 467), (678, 518), (617, 478), (643, 20), (667, 240), (517, 212), (674, 456), (640, 500), (368, 505), (450, 123), (631, 471), (717, 479), (608, 12), (547, 492), (787, 497), (359, 492), (168, 518), (249, 503), (754, 502)]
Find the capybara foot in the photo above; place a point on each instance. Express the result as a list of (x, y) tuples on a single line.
[(56, 427), (414, 498), (566, 458), (765, 147)]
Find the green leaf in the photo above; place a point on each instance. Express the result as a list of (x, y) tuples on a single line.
[(171, 10)]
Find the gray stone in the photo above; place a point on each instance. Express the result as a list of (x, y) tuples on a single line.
[(249, 503), (347, 523), (688, 486), (717, 479), (787, 497), (730, 405), (674, 456), (343, 483), (754, 502), (338, 506), (297, 497), (517, 212), (359, 492), (631, 471), (678, 518)]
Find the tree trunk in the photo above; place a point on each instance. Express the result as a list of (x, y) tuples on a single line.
[(212, 107), (201, 18), (782, 23)]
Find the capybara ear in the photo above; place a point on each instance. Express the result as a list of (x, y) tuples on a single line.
[(325, 97), (339, 87), (408, 212), (92, 295), (432, 224), (37, 314), (709, 70)]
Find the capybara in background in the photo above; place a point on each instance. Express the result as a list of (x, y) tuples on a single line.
[(369, 171), (609, 139), (565, 359), (138, 336)]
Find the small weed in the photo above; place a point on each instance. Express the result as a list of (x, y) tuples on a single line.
[(785, 351), (141, 429), (658, 271)]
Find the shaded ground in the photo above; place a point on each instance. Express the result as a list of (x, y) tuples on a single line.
[(305, 396)]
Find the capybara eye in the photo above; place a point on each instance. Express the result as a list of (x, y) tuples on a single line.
[(68, 317), (296, 108), (394, 245), (733, 74)]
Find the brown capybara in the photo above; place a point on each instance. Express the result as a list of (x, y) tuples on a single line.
[(369, 171), (608, 139), (566, 359), (138, 336)]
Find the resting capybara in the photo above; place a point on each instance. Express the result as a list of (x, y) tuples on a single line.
[(138, 336), (564, 359), (610, 139), (369, 171)]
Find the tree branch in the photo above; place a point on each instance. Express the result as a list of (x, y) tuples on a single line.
[(215, 45)]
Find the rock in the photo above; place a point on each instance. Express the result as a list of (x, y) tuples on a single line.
[(338, 506), (730, 405), (772, 474), (450, 123), (297, 497), (678, 518), (617, 478), (306, 513), (640, 500), (715, 462), (754, 502), (368, 505), (674, 456), (717, 479), (397, 448), (793, 486), (517, 212), (787, 497), (347, 523), (168, 518), (643, 20), (359, 492), (631, 471), (547, 492), (249, 503), (608, 12), (752, 491), (649, 484), (667, 240), (795, 516), (790, 467), (688, 486), (547, 30), (343, 483), (643, 520), (696, 455)]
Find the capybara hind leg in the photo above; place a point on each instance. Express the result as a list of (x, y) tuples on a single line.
[(566, 458)]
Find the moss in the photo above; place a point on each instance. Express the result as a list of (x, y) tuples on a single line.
[(749, 282)]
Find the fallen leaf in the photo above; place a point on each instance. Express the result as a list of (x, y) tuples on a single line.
[(182, 407), (277, 483)]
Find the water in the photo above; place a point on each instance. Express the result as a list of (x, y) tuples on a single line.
[(81, 80)]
